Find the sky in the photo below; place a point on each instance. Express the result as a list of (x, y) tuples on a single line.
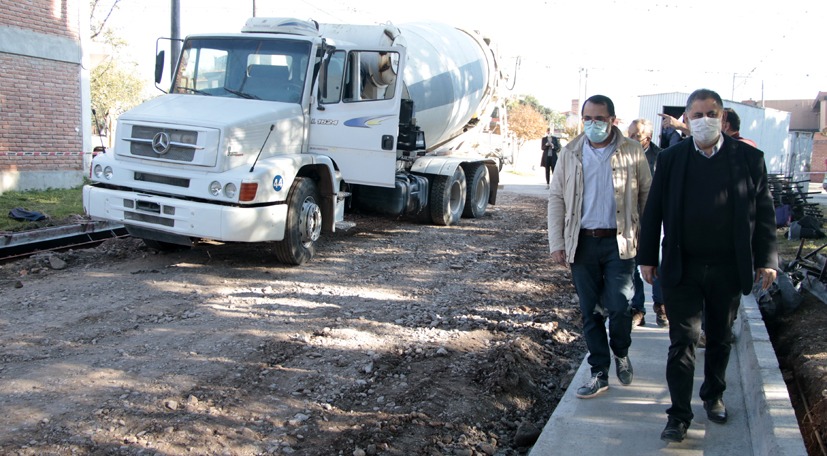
[(560, 50)]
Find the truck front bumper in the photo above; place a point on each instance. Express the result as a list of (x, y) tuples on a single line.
[(186, 218)]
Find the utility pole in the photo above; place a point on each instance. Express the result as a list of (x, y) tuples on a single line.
[(175, 35), (254, 8)]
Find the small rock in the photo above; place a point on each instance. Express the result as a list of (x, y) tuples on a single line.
[(18, 284), (488, 449), (359, 452), (172, 405), (298, 419), (56, 263), (526, 435)]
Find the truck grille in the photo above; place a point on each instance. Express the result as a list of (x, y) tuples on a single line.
[(183, 143), (158, 179), (148, 218)]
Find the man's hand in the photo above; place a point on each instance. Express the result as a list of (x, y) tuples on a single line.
[(765, 276), (649, 273), (559, 257), (669, 121)]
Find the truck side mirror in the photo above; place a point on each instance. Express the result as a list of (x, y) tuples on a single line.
[(159, 67)]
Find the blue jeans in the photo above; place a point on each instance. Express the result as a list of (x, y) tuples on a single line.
[(638, 299), (604, 285)]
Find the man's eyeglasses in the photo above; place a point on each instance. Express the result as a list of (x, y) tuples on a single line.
[(587, 119)]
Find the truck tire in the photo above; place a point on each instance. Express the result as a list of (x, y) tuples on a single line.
[(448, 198), (304, 224), (478, 187)]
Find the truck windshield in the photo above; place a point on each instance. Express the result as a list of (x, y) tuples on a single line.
[(260, 69)]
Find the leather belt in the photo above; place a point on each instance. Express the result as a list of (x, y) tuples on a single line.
[(599, 232)]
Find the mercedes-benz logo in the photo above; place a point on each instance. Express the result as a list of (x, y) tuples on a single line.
[(160, 143)]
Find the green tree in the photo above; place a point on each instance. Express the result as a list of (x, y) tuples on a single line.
[(115, 89), (114, 83)]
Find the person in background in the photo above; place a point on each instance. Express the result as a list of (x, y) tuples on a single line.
[(731, 126), (641, 130), (550, 145), (594, 231), (672, 131), (711, 198)]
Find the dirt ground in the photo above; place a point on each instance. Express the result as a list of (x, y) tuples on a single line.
[(800, 343), (398, 338)]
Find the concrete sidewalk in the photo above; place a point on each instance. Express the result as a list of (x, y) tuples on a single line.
[(628, 420)]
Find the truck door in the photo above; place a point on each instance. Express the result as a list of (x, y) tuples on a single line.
[(355, 119)]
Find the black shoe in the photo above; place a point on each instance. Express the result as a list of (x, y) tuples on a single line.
[(625, 373), (638, 318), (660, 315), (716, 411), (675, 430), (596, 385)]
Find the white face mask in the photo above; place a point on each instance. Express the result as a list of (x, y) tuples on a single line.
[(705, 130)]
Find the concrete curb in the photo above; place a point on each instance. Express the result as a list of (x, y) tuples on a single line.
[(772, 422)]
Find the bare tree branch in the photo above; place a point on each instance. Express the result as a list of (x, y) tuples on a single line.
[(94, 5)]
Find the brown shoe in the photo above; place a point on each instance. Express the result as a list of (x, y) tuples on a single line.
[(638, 318), (660, 315)]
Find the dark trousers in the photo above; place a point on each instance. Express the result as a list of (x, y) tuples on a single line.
[(708, 293), (639, 298), (604, 286), (549, 164)]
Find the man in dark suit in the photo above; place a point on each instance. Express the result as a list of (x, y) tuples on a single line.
[(710, 193), (551, 147)]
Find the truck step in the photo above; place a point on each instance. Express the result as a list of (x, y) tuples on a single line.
[(344, 226), (342, 195)]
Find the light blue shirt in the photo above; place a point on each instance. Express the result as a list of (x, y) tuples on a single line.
[(599, 206)]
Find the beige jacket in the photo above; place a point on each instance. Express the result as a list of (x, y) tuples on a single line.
[(631, 177)]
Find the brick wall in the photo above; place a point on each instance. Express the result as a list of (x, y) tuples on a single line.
[(41, 115), (41, 128), (819, 156), (50, 17)]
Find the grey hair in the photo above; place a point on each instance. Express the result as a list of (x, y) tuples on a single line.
[(643, 126)]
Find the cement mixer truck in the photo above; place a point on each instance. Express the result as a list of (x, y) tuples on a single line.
[(274, 133)]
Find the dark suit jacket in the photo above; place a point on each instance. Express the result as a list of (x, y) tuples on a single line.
[(550, 150), (754, 217)]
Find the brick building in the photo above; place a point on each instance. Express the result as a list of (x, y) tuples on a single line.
[(44, 93)]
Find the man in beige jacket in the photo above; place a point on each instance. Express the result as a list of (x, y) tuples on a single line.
[(596, 199)]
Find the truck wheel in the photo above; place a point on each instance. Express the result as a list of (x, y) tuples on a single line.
[(448, 198), (478, 187), (304, 224)]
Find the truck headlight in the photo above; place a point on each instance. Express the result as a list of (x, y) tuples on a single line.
[(98, 171), (230, 190), (215, 188), (107, 172)]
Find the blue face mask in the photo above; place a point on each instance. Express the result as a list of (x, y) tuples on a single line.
[(596, 131)]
